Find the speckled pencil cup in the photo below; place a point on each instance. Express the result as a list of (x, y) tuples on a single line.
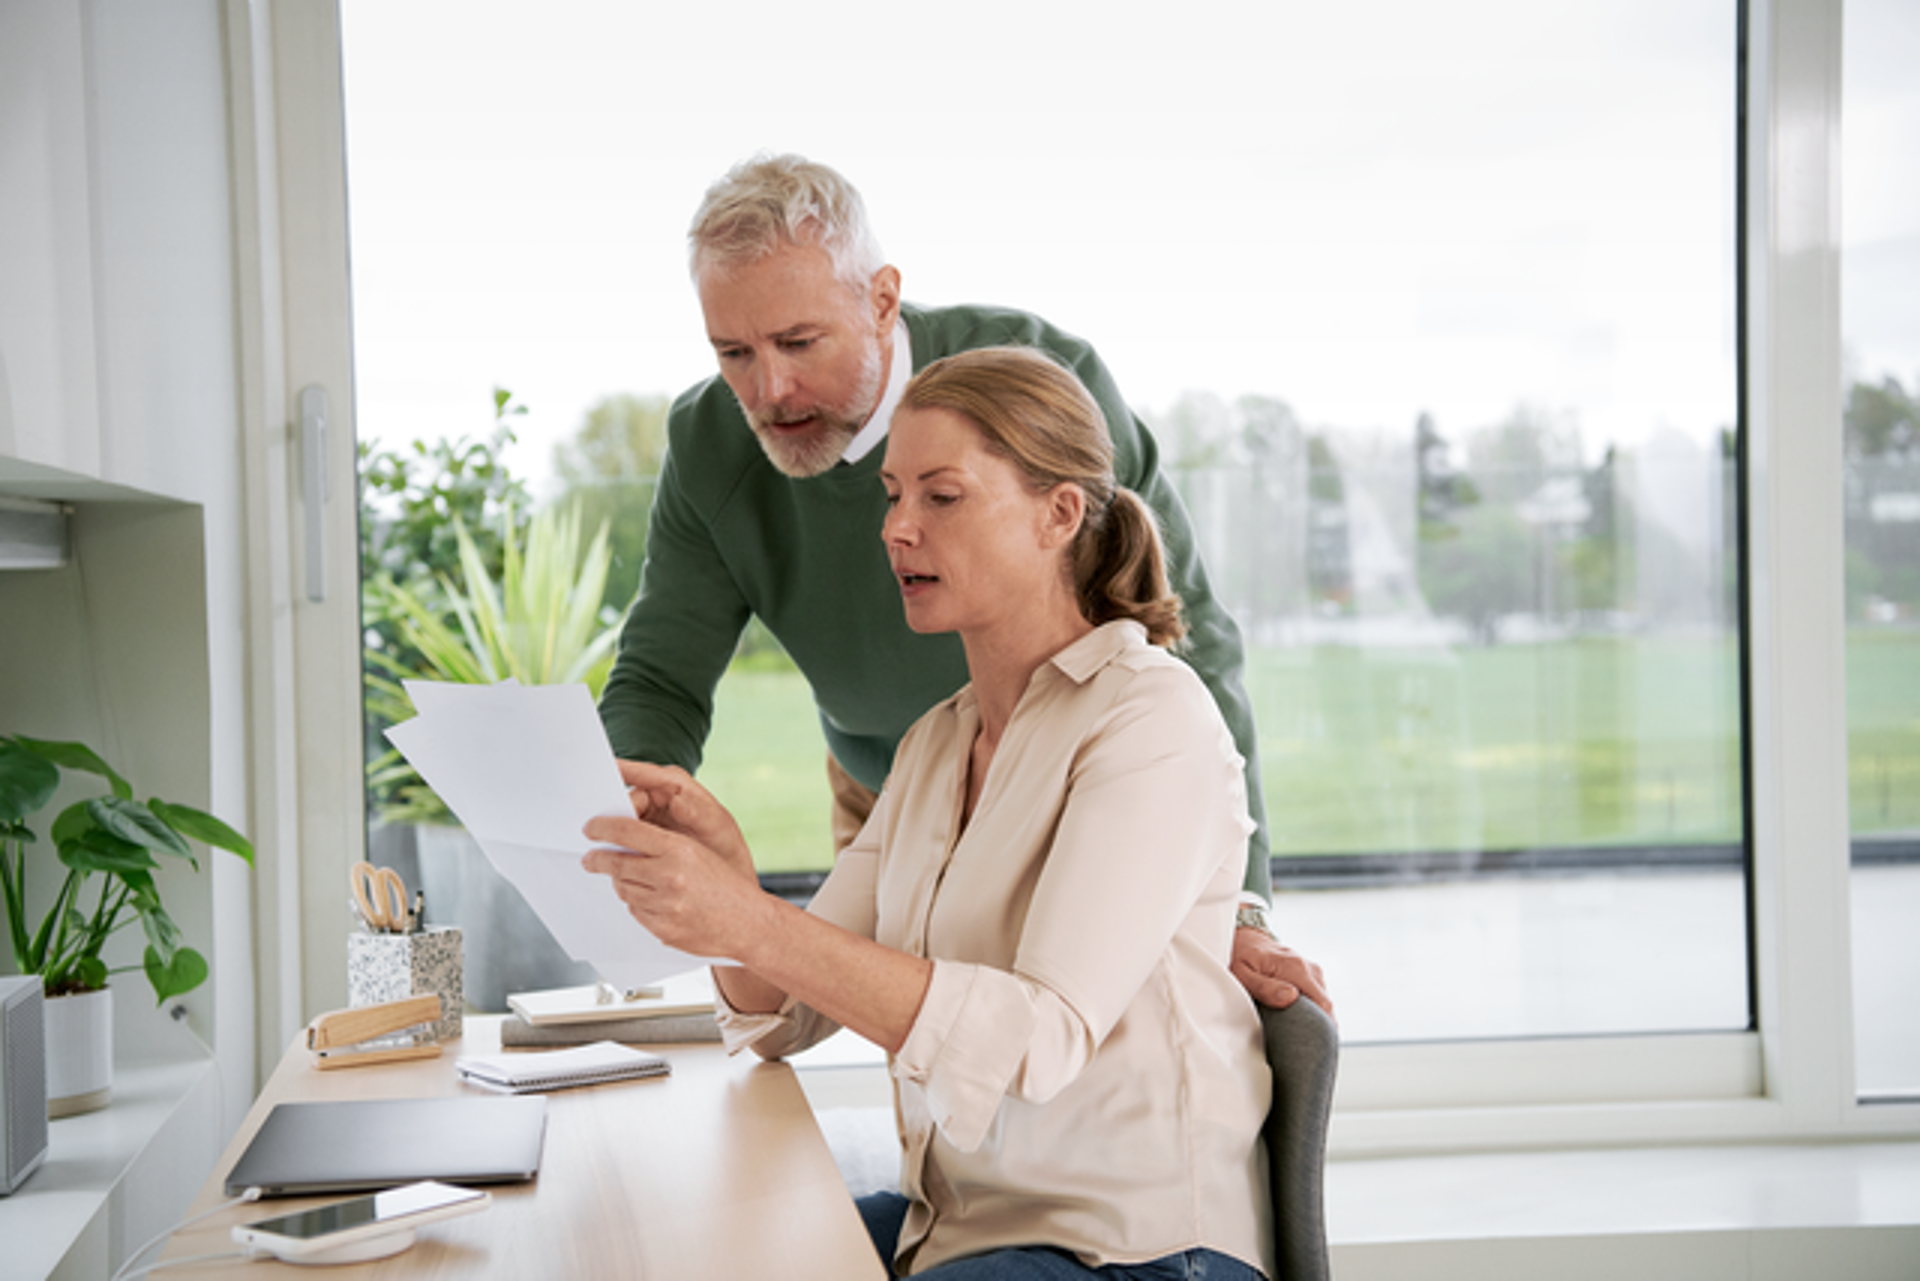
[(393, 967)]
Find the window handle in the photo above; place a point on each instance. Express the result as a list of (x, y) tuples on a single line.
[(314, 487)]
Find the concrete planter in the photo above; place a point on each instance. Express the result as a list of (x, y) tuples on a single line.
[(506, 948)]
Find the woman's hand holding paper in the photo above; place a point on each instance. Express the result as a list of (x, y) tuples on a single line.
[(680, 863)]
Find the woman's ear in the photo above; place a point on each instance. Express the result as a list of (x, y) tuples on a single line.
[(1066, 512)]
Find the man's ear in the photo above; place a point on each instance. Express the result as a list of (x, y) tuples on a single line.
[(883, 291)]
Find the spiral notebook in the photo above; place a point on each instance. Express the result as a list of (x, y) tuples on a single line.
[(525, 1073)]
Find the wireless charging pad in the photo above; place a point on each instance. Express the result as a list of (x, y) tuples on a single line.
[(383, 1246)]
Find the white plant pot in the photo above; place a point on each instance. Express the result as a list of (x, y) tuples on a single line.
[(79, 1052)]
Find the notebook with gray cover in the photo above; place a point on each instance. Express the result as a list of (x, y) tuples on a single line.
[(357, 1145)]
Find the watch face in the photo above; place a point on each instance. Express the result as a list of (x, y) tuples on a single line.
[(1250, 917)]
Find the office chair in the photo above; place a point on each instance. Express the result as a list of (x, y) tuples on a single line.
[(1303, 1049)]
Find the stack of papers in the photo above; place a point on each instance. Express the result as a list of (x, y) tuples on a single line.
[(524, 1073), (689, 993), (523, 767)]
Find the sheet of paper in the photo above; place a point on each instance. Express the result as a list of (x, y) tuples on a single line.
[(523, 767)]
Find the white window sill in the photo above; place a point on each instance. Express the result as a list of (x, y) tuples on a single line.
[(115, 1177), (1701, 1213)]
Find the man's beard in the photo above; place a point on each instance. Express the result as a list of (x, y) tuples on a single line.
[(821, 446)]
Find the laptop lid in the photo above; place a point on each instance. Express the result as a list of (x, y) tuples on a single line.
[(356, 1145)]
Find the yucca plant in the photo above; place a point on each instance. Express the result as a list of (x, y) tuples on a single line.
[(541, 623)]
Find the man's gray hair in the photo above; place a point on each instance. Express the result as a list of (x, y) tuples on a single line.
[(770, 201)]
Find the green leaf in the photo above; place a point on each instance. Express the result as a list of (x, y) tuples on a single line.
[(204, 828), (74, 822), (92, 972), (27, 781), (187, 971), (98, 851), (135, 823), (36, 954), (146, 898), (81, 757), (162, 934), (13, 893)]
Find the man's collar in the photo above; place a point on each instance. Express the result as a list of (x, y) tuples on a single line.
[(869, 437)]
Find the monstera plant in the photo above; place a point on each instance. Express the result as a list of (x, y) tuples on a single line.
[(103, 850)]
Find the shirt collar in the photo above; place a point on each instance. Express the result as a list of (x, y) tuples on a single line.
[(868, 437), (1080, 661)]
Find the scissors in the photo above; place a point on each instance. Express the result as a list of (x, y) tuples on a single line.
[(381, 896)]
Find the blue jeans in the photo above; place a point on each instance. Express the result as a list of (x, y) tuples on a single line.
[(884, 1212)]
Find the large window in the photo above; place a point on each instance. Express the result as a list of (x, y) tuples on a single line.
[(1880, 278), (1434, 320), (1478, 520)]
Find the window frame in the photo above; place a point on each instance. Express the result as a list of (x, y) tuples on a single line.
[(1791, 1075), (294, 330)]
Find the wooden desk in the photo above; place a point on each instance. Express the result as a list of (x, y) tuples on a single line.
[(716, 1171)]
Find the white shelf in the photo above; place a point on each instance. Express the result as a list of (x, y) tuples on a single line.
[(115, 1177)]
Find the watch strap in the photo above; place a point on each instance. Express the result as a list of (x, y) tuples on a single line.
[(1253, 916)]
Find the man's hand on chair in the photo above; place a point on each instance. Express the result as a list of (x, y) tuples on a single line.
[(1276, 975)]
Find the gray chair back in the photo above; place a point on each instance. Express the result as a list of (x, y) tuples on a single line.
[(1303, 1049)]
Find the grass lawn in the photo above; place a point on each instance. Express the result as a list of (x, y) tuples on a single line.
[(1615, 741), (1883, 731), (766, 761)]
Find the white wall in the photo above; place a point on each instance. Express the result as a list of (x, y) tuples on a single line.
[(118, 393)]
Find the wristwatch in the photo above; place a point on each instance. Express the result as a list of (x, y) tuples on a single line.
[(1253, 916)]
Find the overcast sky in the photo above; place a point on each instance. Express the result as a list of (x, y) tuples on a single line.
[(1365, 209)]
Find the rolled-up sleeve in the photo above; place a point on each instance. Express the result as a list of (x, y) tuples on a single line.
[(965, 1076)]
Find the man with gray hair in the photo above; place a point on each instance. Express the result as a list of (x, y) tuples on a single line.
[(769, 505)]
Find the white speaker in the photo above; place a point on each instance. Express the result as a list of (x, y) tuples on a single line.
[(23, 1080)]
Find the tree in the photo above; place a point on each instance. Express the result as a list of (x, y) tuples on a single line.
[(411, 497), (414, 501), (1329, 551), (1444, 491), (1881, 424), (1197, 431), (1483, 572), (622, 437), (1881, 419), (1511, 459), (1268, 431), (610, 466), (1593, 562)]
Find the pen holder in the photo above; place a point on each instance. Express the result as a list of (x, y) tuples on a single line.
[(392, 967)]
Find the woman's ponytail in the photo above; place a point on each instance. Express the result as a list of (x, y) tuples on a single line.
[(1036, 414)]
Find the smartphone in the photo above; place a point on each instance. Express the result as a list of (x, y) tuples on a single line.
[(366, 1227)]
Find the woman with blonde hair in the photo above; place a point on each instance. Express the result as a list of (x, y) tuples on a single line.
[(1036, 922)]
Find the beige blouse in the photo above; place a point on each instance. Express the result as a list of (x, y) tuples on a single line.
[(1085, 1071)]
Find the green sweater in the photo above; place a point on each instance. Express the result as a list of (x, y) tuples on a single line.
[(731, 537)]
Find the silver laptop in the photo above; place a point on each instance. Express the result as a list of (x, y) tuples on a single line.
[(357, 1145)]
